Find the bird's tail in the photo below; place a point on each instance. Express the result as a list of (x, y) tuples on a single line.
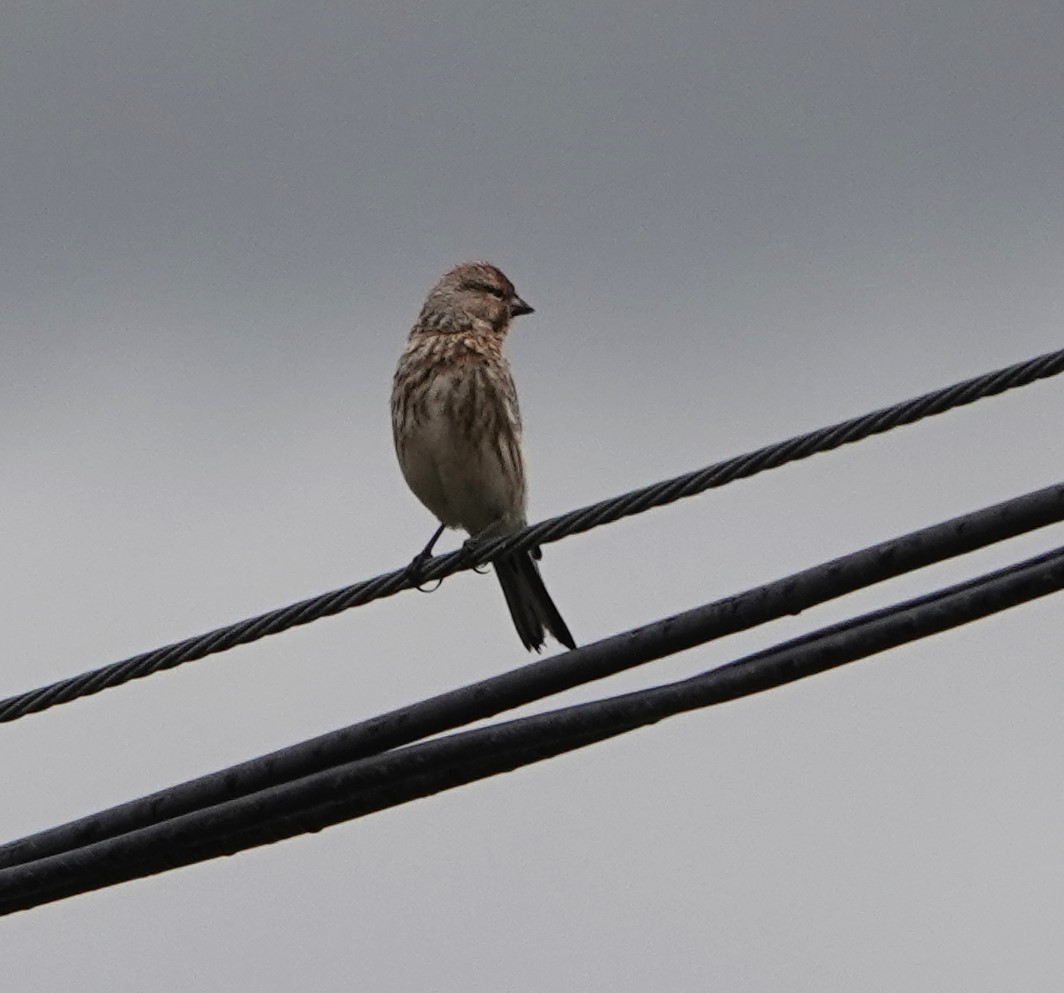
[(530, 604)]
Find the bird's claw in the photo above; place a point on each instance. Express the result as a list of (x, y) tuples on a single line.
[(413, 572), (470, 549)]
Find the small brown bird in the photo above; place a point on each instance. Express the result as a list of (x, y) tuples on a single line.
[(457, 430)]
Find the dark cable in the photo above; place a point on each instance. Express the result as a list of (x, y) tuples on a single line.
[(489, 697), (376, 783), (574, 522)]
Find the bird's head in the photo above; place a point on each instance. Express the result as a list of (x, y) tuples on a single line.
[(471, 296)]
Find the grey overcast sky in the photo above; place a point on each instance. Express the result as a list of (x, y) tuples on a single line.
[(737, 221)]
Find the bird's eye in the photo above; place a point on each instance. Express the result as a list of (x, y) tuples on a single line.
[(493, 290)]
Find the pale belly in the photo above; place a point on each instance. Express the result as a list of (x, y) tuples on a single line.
[(473, 485)]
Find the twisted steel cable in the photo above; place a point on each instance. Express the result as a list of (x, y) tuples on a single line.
[(574, 522)]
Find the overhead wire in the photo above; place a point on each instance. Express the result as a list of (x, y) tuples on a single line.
[(575, 522), (370, 784), (535, 681), (384, 761)]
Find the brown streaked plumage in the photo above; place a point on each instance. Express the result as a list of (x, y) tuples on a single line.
[(457, 430)]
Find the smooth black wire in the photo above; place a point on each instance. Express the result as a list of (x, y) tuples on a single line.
[(574, 522), (542, 678), (381, 781)]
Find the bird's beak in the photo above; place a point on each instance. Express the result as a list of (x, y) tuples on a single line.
[(519, 307)]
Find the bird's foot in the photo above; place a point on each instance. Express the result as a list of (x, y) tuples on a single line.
[(413, 572), (470, 549)]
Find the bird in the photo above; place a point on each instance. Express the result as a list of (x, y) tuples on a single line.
[(457, 431)]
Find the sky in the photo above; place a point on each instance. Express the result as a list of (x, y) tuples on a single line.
[(737, 222)]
